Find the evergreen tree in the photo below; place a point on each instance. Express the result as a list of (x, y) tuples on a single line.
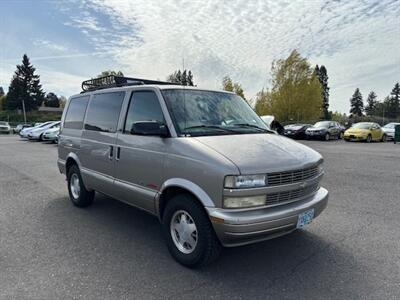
[(51, 100), (322, 76), (182, 78), (356, 103), (25, 86), (394, 102), (1, 91), (190, 78), (371, 103)]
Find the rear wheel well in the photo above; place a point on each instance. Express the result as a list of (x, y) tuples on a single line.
[(169, 193)]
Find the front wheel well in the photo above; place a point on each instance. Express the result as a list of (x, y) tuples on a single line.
[(171, 192), (70, 162)]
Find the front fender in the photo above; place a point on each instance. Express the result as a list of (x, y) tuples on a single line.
[(190, 187)]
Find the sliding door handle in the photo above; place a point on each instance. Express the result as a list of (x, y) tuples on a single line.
[(111, 153), (118, 156)]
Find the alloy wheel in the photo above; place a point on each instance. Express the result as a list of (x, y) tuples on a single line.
[(184, 231)]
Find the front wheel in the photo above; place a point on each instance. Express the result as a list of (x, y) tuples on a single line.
[(340, 135), (78, 193), (369, 138), (190, 237), (327, 137)]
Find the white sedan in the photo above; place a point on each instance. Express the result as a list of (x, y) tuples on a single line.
[(389, 130)]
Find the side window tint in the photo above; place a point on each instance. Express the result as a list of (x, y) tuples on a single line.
[(143, 106), (103, 112), (76, 113)]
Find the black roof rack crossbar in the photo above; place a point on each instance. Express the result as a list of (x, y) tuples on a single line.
[(117, 81)]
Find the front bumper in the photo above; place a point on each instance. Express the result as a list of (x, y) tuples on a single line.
[(48, 137), (5, 130), (235, 228), (315, 135), (353, 137)]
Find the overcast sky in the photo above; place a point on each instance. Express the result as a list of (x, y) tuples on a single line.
[(69, 41)]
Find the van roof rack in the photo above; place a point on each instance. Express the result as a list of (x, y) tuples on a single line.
[(117, 81)]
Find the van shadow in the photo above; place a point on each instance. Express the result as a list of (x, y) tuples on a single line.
[(132, 239)]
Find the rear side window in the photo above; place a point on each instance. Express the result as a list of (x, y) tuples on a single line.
[(103, 112), (76, 112), (144, 106)]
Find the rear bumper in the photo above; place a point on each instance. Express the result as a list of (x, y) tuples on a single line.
[(245, 227)]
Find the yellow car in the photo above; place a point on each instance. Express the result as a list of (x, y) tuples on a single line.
[(365, 131)]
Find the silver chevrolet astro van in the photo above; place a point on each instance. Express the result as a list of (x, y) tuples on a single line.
[(202, 161)]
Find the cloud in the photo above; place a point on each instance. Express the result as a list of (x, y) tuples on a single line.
[(357, 40), (49, 45)]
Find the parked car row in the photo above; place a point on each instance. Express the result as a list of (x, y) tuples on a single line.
[(327, 130), (47, 131)]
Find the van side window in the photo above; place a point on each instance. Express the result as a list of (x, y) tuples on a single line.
[(76, 112), (103, 112), (143, 106)]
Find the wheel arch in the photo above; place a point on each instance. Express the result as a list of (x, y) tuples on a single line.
[(176, 186)]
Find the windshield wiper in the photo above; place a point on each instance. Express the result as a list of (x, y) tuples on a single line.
[(253, 126), (211, 127)]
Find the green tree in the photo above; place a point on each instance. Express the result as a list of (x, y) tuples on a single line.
[(3, 102), (295, 92), (182, 78), (322, 75), (356, 103), (230, 86), (51, 100), (371, 104), (394, 102), (25, 86), (110, 72), (1, 91), (263, 103)]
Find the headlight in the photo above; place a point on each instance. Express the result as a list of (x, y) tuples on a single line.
[(241, 202), (321, 168), (244, 181)]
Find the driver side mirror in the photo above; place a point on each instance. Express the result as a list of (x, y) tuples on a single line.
[(153, 128)]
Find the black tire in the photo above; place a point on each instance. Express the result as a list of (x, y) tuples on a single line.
[(207, 248), (83, 198), (369, 138), (327, 137), (384, 137)]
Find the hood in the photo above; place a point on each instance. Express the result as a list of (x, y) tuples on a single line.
[(356, 130), (316, 129), (388, 130), (262, 153)]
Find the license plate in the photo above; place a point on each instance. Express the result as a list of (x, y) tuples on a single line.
[(305, 218)]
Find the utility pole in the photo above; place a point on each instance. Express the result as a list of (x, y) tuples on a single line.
[(23, 108)]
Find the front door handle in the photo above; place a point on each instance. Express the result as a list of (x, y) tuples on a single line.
[(111, 153)]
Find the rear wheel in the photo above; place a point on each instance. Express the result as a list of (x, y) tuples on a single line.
[(384, 137), (327, 137), (78, 193), (189, 235)]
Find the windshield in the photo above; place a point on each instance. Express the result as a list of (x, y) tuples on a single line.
[(362, 126), (324, 124), (196, 112)]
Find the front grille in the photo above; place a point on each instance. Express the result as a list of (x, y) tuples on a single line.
[(292, 176), (288, 196)]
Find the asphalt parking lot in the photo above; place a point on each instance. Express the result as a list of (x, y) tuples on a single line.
[(52, 250)]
